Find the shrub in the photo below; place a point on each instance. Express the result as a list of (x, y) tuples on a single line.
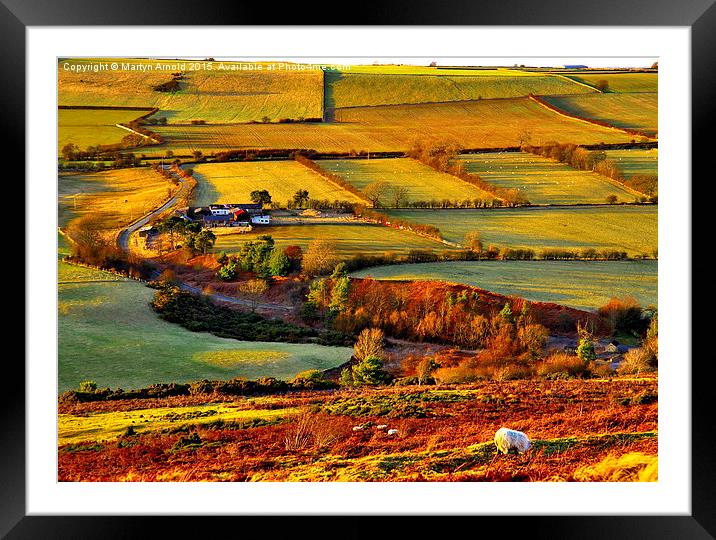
[(563, 366), (311, 378), (624, 315), (636, 361), (370, 371), (88, 386)]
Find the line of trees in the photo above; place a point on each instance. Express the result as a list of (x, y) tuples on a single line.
[(441, 157), (597, 161), (384, 219)]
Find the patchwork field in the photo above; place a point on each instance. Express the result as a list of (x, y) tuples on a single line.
[(584, 285), (621, 82), (234, 182), (92, 127), (632, 229), (108, 333), (421, 182), (215, 95), (629, 111), (543, 181), (354, 89), (349, 239), (472, 124), (633, 162)]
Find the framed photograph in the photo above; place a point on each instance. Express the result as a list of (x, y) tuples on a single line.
[(418, 266)]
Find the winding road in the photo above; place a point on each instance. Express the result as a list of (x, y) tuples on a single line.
[(123, 243)]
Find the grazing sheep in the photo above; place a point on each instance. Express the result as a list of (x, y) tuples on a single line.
[(392, 432), (381, 426), (509, 439), (358, 428)]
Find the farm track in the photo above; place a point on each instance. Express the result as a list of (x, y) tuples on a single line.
[(123, 243)]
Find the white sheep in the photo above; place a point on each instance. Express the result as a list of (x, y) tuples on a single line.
[(509, 439), (381, 426), (358, 428), (392, 432)]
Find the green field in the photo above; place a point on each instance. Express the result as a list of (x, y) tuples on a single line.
[(350, 239), (214, 95), (385, 87), (422, 182), (473, 124), (578, 284), (108, 333), (543, 181), (92, 127), (632, 229), (626, 111), (631, 162), (621, 82), (233, 182)]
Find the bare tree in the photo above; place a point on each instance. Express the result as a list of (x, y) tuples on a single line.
[(374, 192)]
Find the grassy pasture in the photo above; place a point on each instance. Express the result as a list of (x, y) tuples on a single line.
[(632, 229), (543, 181), (350, 239), (474, 124), (631, 111), (621, 82), (108, 333), (88, 127), (422, 182), (633, 162), (111, 199), (215, 95), (234, 182), (578, 284), (387, 87)]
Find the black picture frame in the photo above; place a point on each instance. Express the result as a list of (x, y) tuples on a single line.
[(699, 15)]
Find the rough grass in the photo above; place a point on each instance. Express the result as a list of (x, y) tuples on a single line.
[(543, 181), (631, 162), (349, 239), (216, 96), (573, 425), (473, 124), (87, 127), (584, 285), (234, 182), (390, 87), (630, 111), (98, 427), (109, 334), (422, 182), (632, 229), (621, 82)]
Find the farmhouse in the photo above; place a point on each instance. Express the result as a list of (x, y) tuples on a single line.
[(226, 215), (615, 347)]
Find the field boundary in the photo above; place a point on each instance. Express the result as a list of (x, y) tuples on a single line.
[(591, 121), (152, 139)]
